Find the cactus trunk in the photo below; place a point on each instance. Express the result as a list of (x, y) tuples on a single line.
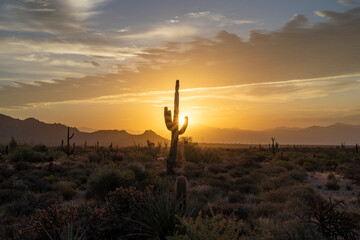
[(172, 125), (181, 191), (68, 141)]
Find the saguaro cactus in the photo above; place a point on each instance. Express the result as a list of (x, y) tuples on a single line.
[(68, 141), (273, 145), (180, 190), (172, 125)]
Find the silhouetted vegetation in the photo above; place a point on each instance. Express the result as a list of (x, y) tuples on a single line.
[(172, 124), (223, 193)]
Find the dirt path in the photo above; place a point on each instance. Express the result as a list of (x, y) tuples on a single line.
[(348, 192)]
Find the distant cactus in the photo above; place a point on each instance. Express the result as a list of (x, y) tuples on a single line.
[(273, 146), (357, 148), (181, 191), (68, 141), (12, 144), (7, 149), (172, 125)]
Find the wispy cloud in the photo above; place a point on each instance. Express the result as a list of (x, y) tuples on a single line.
[(97, 91), (348, 2), (263, 68), (163, 32), (219, 19), (55, 17)]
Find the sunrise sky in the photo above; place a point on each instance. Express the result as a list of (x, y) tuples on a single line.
[(248, 64)]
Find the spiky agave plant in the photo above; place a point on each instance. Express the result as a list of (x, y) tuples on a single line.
[(172, 124)]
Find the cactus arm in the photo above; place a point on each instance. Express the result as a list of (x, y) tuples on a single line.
[(182, 130), (168, 121), (176, 104), (71, 136)]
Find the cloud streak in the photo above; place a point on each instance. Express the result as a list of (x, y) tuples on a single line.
[(54, 17), (266, 66)]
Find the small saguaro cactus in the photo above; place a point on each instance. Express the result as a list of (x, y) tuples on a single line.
[(357, 148), (68, 141), (180, 190), (273, 145), (172, 125)]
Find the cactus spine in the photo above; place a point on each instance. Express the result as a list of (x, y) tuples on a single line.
[(180, 190), (172, 125), (68, 141)]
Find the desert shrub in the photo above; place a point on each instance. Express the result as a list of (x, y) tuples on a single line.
[(267, 209), (26, 154), (66, 189), (216, 169), (331, 219), (137, 155), (331, 177), (6, 171), (117, 157), (285, 164), (21, 166), (303, 193), (332, 185), (54, 221), (95, 157), (28, 202), (277, 196), (216, 227), (192, 170), (310, 164), (120, 209), (158, 216), (235, 197), (35, 182), (40, 148), (104, 182), (249, 161), (8, 195), (298, 175), (56, 154), (236, 172), (207, 195), (248, 188), (195, 154)]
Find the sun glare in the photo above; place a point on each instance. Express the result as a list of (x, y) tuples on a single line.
[(181, 120)]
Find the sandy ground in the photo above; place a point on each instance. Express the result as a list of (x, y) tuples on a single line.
[(348, 191)]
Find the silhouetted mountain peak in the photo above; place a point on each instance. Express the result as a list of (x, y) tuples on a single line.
[(33, 131)]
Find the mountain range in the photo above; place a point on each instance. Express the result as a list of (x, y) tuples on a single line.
[(33, 131), (335, 134)]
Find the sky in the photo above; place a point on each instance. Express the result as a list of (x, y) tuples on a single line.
[(247, 64)]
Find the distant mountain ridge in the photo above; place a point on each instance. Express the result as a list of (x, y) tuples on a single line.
[(315, 135), (33, 131)]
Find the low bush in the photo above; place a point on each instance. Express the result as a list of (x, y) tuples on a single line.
[(215, 227), (104, 182), (26, 154)]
